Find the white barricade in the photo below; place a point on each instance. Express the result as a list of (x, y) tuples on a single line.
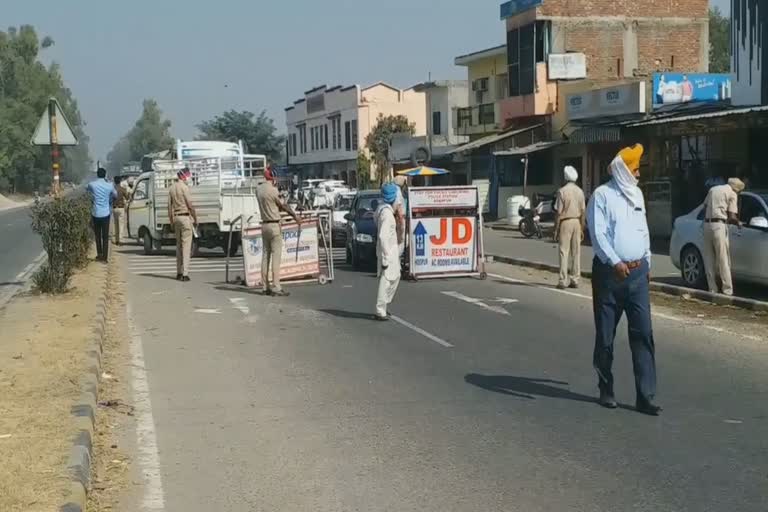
[(445, 235)]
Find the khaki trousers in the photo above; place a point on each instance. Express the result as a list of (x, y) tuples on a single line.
[(272, 238), (182, 227), (387, 290), (118, 214), (717, 256), (569, 241)]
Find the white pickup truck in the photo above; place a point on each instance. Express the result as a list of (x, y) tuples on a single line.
[(217, 200)]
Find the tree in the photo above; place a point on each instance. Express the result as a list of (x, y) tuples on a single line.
[(150, 134), (363, 170), (378, 141), (258, 133), (719, 42), (25, 87)]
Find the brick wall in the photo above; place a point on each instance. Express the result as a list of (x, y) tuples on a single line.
[(626, 8), (601, 43), (677, 47)]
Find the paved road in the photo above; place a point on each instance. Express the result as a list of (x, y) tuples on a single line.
[(20, 244), (247, 403)]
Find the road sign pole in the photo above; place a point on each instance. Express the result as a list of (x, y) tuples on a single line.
[(54, 146)]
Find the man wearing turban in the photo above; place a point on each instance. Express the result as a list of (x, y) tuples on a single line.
[(620, 278), (722, 208), (387, 251), (570, 207)]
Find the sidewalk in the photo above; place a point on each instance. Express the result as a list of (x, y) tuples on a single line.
[(511, 244)]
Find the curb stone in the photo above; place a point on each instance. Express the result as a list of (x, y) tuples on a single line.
[(668, 289), (84, 414)]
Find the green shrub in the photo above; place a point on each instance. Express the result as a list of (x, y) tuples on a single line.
[(64, 225)]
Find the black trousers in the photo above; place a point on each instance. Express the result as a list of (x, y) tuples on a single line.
[(612, 299), (101, 231)]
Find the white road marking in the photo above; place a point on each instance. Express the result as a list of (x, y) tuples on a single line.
[(206, 311), (421, 331), (477, 302), (673, 318), (241, 305), (733, 422), (506, 301), (146, 438)]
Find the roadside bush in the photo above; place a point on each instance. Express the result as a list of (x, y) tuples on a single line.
[(64, 225)]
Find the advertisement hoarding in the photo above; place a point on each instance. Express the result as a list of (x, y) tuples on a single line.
[(609, 101), (676, 88), (444, 244)]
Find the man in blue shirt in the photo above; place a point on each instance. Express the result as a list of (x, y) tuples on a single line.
[(620, 278), (103, 194)]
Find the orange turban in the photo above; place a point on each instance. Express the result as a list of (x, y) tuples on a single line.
[(631, 156)]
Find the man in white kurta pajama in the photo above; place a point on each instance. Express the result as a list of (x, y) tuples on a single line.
[(387, 251)]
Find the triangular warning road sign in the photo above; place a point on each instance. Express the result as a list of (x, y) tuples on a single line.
[(64, 134)]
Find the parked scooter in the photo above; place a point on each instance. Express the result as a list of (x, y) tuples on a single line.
[(534, 218)]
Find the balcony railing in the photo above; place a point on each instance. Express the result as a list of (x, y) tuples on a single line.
[(476, 119)]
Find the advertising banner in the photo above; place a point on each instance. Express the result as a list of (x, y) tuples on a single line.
[(300, 256), (675, 88), (444, 245)]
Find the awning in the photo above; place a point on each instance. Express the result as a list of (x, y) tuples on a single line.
[(479, 143), (696, 117), (593, 134), (533, 148)]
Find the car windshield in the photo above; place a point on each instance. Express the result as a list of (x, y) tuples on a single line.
[(343, 202), (368, 202)]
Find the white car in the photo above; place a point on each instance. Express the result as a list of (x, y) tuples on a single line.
[(341, 207), (749, 244)]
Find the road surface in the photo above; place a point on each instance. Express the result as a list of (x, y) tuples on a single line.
[(477, 396), (20, 245)]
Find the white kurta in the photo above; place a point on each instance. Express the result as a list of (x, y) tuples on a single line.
[(388, 255)]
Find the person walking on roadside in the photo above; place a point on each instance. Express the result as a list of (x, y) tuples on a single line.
[(722, 209), (387, 251), (621, 278), (183, 217), (270, 206), (570, 208), (118, 209), (103, 193)]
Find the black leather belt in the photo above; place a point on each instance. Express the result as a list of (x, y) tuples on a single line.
[(270, 222), (713, 221), (181, 215)]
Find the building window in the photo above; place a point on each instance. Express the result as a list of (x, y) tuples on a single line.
[(464, 117), (293, 144), (336, 131), (437, 128), (312, 138), (487, 114), (526, 46), (325, 133), (303, 137), (502, 86), (348, 136), (354, 135)]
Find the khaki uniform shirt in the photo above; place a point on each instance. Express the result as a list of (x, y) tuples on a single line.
[(721, 201), (179, 198), (570, 202), (122, 198), (269, 199)]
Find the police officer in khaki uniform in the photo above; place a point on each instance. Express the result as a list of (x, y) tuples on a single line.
[(183, 219), (722, 209), (270, 206), (569, 228)]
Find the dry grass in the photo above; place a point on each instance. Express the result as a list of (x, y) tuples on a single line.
[(43, 341)]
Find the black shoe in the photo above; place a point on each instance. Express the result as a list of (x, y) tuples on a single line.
[(281, 293), (607, 400), (573, 285), (646, 407), (267, 292), (179, 277), (381, 318), (185, 279)]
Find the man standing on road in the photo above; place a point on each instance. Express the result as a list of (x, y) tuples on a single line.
[(620, 278), (103, 193), (183, 218), (387, 251), (118, 209), (722, 209), (270, 206), (570, 208), (399, 208)]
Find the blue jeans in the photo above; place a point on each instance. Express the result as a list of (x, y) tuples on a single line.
[(611, 299)]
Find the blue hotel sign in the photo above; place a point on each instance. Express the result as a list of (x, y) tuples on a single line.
[(514, 7)]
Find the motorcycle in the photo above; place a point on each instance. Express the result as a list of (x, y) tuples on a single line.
[(534, 218)]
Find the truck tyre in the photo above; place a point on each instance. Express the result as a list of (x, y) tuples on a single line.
[(149, 246)]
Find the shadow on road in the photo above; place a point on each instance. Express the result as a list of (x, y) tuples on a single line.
[(526, 387), (158, 276), (11, 283), (347, 314)]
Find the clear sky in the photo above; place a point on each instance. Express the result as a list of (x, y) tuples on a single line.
[(199, 58)]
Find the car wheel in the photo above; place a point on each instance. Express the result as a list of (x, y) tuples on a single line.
[(149, 246), (692, 267)]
